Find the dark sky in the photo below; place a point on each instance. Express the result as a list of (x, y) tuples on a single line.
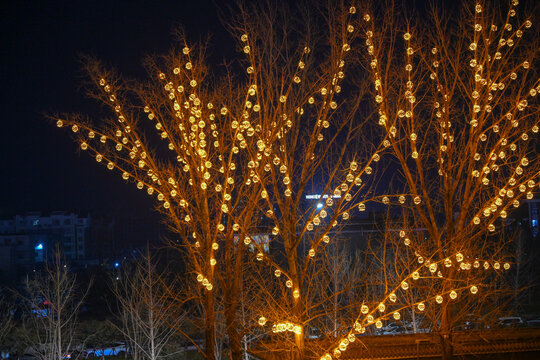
[(40, 168)]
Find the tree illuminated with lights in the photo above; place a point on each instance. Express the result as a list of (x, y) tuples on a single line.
[(315, 157), (458, 102), (240, 151), (454, 108), (195, 173)]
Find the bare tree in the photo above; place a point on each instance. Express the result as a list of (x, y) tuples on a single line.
[(458, 102), (53, 301), (7, 322), (149, 315), (202, 188), (314, 155)]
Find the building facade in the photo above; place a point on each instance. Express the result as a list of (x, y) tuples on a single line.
[(27, 240)]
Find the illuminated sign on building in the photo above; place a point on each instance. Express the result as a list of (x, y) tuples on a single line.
[(318, 196)]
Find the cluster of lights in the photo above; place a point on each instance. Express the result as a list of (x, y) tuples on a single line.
[(204, 282), (280, 327), (287, 326)]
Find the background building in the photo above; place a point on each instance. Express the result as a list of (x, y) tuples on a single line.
[(27, 240)]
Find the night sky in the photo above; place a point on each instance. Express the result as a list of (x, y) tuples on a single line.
[(42, 40), (40, 167)]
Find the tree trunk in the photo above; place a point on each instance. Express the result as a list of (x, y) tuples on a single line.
[(235, 341), (297, 309), (299, 341), (299, 338), (210, 327), (446, 346), (446, 334)]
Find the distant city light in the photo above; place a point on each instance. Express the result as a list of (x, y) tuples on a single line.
[(116, 264), (39, 247)]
